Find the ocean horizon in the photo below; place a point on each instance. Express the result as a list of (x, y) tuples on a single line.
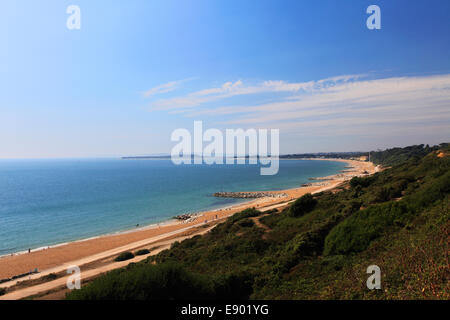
[(46, 202)]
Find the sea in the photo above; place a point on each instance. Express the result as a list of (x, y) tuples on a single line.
[(48, 202)]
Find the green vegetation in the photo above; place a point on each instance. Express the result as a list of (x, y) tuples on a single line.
[(142, 252), (396, 156), (50, 277), (302, 206), (124, 256), (318, 248), (166, 281)]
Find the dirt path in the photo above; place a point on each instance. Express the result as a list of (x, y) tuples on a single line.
[(259, 224)]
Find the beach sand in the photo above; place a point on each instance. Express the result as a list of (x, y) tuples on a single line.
[(63, 254)]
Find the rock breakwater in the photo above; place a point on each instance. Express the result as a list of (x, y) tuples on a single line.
[(250, 195)]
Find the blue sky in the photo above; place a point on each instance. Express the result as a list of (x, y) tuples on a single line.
[(137, 70)]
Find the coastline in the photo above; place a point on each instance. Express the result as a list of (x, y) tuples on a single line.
[(61, 254), (144, 226)]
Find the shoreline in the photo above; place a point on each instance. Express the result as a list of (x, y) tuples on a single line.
[(48, 257), (155, 224)]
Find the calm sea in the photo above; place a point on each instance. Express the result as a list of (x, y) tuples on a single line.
[(46, 202)]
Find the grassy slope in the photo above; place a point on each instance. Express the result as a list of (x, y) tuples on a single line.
[(319, 248)]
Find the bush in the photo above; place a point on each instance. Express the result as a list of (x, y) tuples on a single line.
[(2, 291), (438, 189), (335, 263), (246, 223), (382, 195), (236, 286), (166, 281), (355, 233), (363, 182), (302, 206), (351, 207), (50, 276), (142, 252), (127, 255), (398, 156), (247, 213), (146, 282)]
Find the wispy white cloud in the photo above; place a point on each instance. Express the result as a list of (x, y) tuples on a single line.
[(238, 88), (345, 105), (164, 88), (379, 99)]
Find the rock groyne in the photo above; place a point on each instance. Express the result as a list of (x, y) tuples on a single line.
[(249, 195)]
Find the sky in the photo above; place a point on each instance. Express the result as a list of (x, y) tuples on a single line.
[(137, 70)]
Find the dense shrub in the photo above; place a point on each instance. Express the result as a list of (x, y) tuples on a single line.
[(436, 190), (50, 276), (382, 194), (246, 223), (309, 243), (302, 205), (146, 282), (142, 252), (333, 262), (247, 213), (397, 156), (166, 281), (124, 256), (2, 291), (363, 182), (236, 286), (351, 207), (355, 233)]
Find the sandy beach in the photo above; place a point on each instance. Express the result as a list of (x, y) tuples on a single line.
[(90, 250)]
